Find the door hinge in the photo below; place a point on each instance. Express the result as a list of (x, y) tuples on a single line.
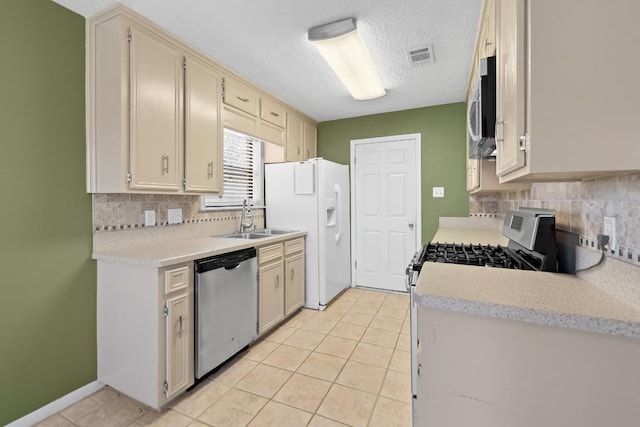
[(165, 388), (184, 183), (184, 63), (257, 327), (524, 142), (223, 89), (129, 37), (129, 177), (165, 311)]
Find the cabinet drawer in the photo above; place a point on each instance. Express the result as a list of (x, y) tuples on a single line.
[(293, 246), (241, 97), (177, 278), (272, 112), (270, 253)]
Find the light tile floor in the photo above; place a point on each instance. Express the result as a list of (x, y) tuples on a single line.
[(347, 365)]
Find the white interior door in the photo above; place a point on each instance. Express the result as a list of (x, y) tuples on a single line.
[(385, 210)]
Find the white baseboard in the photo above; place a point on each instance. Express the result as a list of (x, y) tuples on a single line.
[(57, 405)]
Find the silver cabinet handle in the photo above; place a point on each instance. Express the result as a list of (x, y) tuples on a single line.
[(242, 99), (501, 126), (274, 114), (277, 280), (298, 150), (180, 323), (210, 169), (292, 274), (411, 224), (165, 164)]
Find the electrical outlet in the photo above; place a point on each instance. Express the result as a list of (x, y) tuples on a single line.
[(609, 229), (438, 192), (149, 218), (175, 216)]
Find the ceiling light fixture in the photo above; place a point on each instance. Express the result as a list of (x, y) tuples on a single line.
[(341, 45)]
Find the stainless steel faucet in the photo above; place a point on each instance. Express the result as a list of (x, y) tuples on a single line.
[(246, 216)]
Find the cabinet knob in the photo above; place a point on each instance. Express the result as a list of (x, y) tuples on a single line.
[(292, 274), (277, 280)]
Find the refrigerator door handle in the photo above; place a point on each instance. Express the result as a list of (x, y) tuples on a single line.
[(338, 192)]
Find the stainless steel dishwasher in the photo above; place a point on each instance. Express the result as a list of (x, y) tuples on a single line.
[(226, 307)]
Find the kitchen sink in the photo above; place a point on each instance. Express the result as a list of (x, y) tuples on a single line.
[(246, 235), (270, 231), (256, 234)]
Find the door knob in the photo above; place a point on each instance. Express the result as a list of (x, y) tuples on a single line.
[(411, 224)]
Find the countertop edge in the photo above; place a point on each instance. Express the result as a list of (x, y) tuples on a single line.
[(121, 256), (542, 317)]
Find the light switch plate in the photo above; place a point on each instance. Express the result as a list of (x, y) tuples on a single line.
[(438, 192), (175, 216), (149, 218)]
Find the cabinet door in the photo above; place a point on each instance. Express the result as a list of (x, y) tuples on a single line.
[(178, 355), (156, 82), (294, 138), (294, 292), (310, 138), (473, 171), (488, 38), (271, 295), (203, 130), (510, 119)]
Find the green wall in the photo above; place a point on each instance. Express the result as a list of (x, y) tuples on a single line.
[(443, 152), (47, 277)]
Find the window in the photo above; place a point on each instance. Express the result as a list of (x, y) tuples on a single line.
[(242, 164)]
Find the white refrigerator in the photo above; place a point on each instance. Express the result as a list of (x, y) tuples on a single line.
[(314, 196)]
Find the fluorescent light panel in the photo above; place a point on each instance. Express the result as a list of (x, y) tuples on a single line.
[(341, 45)]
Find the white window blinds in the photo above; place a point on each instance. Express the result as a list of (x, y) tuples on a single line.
[(242, 160)]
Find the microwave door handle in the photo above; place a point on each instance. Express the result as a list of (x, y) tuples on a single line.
[(474, 137)]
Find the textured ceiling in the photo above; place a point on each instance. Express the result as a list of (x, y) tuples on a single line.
[(266, 42)]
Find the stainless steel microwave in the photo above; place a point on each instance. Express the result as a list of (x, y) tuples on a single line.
[(481, 117)]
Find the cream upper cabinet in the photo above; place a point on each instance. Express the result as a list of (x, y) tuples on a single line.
[(510, 86), (310, 141), (156, 79), (272, 112), (241, 97), (295, 137), (567, 89), (487, 39), (203, 128), (146, 93)]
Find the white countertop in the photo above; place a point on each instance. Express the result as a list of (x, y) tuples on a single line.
[(539, 297), (177, 251)]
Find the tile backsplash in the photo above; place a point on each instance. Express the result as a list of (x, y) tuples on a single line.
[(114, 212), (580, 208), (118, 220)]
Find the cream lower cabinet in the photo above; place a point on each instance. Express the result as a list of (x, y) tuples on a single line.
[(153, 110), (567, 89), (280, 283), (145, 330), (294, 275)]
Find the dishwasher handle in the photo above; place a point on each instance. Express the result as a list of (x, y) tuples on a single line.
[(228, 261)]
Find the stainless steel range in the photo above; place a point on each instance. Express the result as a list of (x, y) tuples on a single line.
[(532, 246)]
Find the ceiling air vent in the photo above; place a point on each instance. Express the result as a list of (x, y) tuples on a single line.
[(421, 55)]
